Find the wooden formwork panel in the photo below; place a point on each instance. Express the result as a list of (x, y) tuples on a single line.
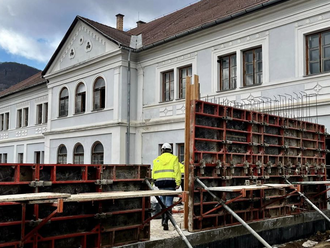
[(232, 146)]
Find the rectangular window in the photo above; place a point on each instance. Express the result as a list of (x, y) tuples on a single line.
[(37, 157), (45, 113), (181, 152), (42, 113), (4, 158), (1, 122), (6, 122), (19, 118), (25, 117), (228, 72), (168, 86), (39, 113), (252, 67), (20, 158), (183, 73), (318, 53)]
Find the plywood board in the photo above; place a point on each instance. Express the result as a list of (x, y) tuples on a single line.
[(238, 188), (32, 197)]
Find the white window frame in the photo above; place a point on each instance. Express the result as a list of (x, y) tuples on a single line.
[(239, 49), (301, 33), (176, 66)]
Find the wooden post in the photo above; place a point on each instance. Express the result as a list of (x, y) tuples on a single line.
[(192, 93)]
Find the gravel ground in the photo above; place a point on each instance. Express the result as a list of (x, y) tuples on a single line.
[(157, 232), (156, 228)]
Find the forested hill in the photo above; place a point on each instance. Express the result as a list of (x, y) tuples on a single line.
[(12, 73)]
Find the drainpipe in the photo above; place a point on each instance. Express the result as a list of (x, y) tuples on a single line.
[(128, 106)]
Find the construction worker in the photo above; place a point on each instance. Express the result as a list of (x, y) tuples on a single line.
[(167, 176)]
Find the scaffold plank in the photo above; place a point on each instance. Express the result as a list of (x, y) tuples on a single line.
[(32, 196), (312, 182), (238, 188)]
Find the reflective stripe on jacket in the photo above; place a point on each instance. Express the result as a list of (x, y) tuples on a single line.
[(166, 169)]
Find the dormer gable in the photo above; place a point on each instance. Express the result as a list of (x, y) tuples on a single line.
[(84, 41)]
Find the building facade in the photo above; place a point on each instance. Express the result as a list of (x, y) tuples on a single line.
[(272, 54)]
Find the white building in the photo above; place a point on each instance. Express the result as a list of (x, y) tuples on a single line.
[(241, 51)]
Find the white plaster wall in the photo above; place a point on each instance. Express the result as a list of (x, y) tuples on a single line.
[(152, 140), (87, 142)]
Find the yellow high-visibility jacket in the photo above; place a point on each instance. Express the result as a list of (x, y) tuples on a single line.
[(166, 171), (182, 168)]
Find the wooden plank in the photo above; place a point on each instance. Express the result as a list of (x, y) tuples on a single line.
[(186, 147), (312, 182), (32, 196), (118, 195), (196, 94), (112, 195), (238, 188)]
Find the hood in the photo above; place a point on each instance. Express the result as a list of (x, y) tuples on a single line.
[(166, 158)]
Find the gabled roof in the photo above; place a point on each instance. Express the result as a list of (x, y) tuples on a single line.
[(195, 17), (25, 84), (202, 14), (116, 35)]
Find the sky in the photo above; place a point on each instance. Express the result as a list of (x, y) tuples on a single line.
[(31, 30)]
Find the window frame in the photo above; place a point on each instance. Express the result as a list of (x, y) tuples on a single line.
[(230, 67), (39, 113), (65, 100), (163, 87), (25, 117), (254, 67), (180, 154), (321, 55), (4, 158), (6, 123), (19, 118), (182, 80), (78, 155), (62, 158), (20, 158), (96, 156), (102, 95), (80, 107)]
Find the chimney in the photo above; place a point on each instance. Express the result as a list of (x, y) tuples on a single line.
[(140, 23), (120, 22)]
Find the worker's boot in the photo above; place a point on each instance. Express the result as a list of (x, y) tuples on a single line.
[(165, 223), (166, 220), (163, 219)]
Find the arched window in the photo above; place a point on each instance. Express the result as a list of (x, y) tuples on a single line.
[(97, 153), (64, 102), (99, 94), (78, 156), (80, 98), (61, 154)]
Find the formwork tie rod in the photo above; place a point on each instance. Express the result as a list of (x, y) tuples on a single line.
[(309, 202), (254, 233), (176, 226)]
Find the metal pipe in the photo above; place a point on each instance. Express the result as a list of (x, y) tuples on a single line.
[(309, 202), (128, 131), (177, 228), (254, 233)]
